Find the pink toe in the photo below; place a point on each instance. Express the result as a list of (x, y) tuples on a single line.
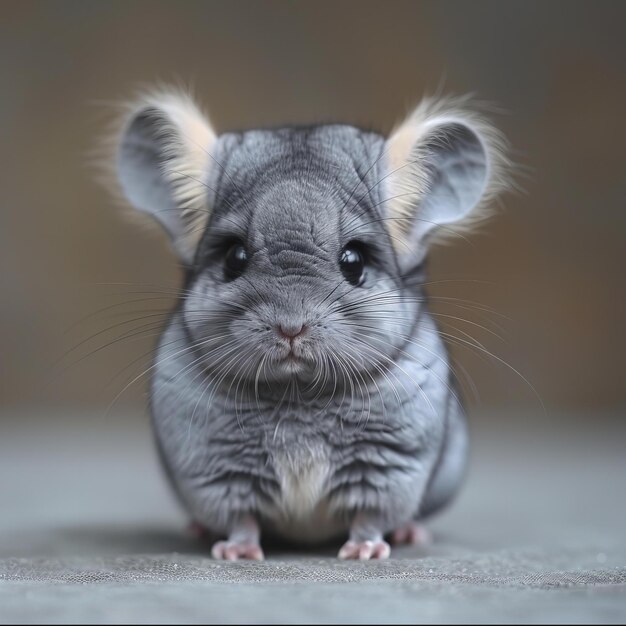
[(227, 551), (366, 550), (348, 550), (382, 550), (257, 554), (217, 551), (232, 553)]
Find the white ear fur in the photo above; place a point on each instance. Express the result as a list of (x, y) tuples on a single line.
[(163, 159), (445, 165)]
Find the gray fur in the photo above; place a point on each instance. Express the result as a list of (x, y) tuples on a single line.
[(367, 425)]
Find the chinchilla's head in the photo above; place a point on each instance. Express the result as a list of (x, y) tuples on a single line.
[(303, 246)]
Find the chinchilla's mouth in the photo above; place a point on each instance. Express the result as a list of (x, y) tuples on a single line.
[(293, 355), (291, 364)]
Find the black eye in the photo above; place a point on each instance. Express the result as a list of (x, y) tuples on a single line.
[(352, 263), (235, 261)]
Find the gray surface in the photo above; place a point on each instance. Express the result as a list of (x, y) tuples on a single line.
[(89, 532)]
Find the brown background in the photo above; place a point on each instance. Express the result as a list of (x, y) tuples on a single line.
[(553, 259)]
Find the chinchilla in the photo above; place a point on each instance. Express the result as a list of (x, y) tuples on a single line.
[(301, 387)]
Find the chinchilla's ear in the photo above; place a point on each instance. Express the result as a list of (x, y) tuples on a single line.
[(444, 166), (162, 160)]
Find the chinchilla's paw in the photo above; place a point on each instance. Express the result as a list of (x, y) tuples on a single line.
[(235, 550), (365, 550)]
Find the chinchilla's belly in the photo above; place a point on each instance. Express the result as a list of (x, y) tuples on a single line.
[(302, 511)]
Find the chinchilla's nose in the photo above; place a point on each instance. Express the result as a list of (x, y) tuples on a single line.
[(291, 330)]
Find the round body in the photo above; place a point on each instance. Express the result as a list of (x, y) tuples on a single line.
[(302, 465), (301, 387)]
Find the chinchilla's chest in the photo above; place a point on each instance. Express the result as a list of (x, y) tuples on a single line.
[(291, 458), (303, 457)]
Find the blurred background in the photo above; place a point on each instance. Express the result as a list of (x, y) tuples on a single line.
[(533, 304), (546, 274)]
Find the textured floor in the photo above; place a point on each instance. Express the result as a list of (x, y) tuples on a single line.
[(89, 533)]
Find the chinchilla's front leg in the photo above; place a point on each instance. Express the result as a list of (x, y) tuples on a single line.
[(366, 539), (243, 542)]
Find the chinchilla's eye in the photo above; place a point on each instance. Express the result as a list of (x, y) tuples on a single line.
[(235, 261), (352, 263)]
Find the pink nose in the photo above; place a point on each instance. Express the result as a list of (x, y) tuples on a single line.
[(291, 331)]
